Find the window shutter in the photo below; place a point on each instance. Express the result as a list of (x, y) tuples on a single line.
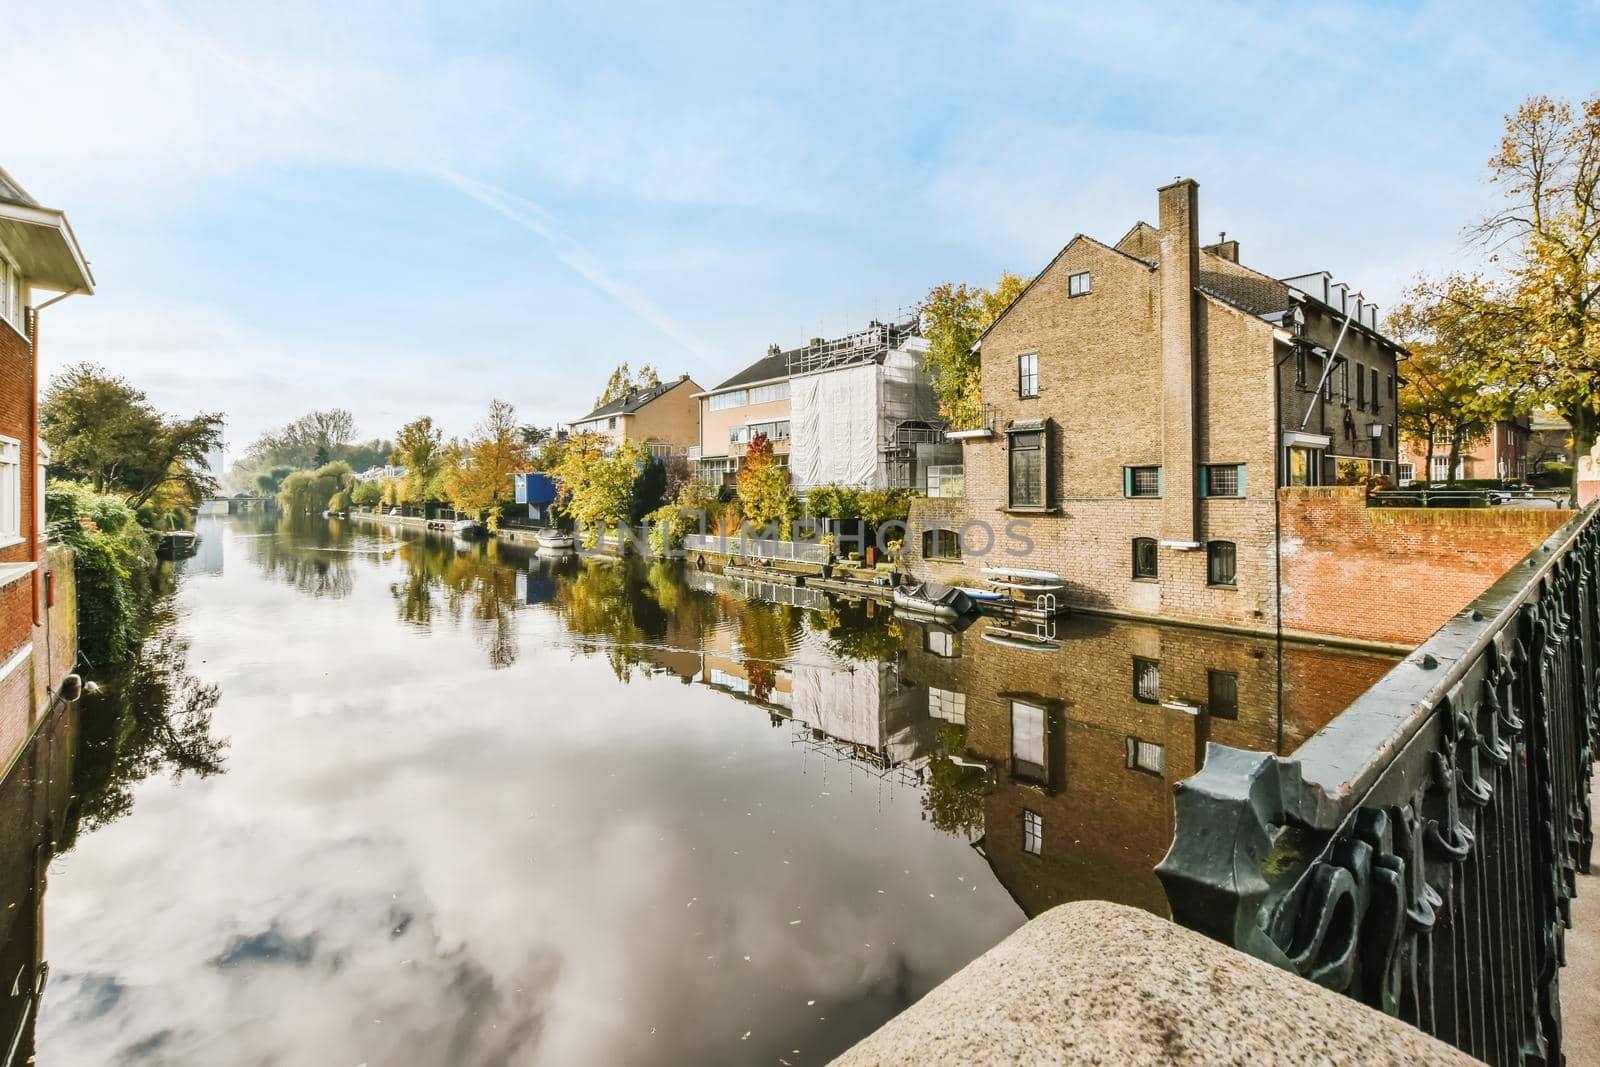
[(1161, 481), (1205, 480), (1242, 491), (1127, 481)]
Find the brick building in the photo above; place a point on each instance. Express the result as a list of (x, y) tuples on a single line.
[(1142, 403), (1506, 452), (38, 251), (1082, 750)]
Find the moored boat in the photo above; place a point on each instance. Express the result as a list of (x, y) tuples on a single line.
[(932, 599), (554, 540), (468, 529)]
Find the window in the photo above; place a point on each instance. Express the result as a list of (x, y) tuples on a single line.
[(10, 490), (1027, 740), (1032, 833), (1303, 466), (1144, 557), (1392, 393), (1361, 387), (1377, 405), (1146, 680), (1141, 481), (10, 293), (1028, 374), (941, 544), (1406, 473), (1222, 479), (941, 643), (1222, 694), (1344, 380), (1440, 471), (766, 394), (1078, 284), (951, 707), (1027, 469), (1221, 563), (611, 423), (723, 401), (1147, 756), (1299, 366)]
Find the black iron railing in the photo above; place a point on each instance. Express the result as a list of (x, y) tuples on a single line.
[(1419, 853)]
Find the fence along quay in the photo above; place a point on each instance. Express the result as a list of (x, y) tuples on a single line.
[(1420, 852)]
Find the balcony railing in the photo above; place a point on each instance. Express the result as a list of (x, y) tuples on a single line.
[(1419, 852)]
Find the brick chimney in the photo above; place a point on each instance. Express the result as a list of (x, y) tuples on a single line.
[(1179, 269)]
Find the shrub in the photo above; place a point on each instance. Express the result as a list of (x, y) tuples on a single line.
[(114, 563)]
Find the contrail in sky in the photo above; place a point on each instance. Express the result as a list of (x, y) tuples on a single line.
[(517, 209), (531, 216)]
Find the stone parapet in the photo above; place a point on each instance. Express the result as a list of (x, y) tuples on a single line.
[(1098, 983)]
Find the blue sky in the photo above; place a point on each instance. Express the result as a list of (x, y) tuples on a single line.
[(413, 207)]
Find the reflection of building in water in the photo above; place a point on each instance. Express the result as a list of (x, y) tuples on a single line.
[(39, 819), (858, 709), (209, 552), (1084, 745)]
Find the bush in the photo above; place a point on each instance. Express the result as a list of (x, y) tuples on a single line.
[(115, 561), (367, 494)]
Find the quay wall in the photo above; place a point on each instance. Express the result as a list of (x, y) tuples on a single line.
[(1393, 575)]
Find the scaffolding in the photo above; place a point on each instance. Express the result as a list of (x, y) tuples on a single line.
[(862, 346)]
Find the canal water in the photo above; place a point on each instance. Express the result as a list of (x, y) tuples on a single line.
[(373, 797)]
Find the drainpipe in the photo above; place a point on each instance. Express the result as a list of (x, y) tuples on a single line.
[(35, 534)]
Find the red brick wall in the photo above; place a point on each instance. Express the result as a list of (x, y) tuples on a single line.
[(16, 393), (1393, 575)]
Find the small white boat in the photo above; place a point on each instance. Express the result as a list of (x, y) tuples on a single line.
[(980, 594), (932, 599), (467, 529), (555, 540)]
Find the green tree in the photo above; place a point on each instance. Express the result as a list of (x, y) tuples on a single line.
[(367, 494), (953, 318), (764, 493), (103, 430)]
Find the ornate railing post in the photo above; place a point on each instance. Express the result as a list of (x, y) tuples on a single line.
[(1420, 852)]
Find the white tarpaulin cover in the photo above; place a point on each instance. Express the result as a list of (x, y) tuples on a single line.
[(833, 428)]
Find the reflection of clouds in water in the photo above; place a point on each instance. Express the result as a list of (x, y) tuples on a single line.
[(414, 859)]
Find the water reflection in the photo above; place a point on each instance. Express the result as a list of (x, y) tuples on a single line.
[(40, 818), (483, 806), (153, 716)]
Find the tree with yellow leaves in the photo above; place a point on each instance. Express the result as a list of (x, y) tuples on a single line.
[(597, 479), (1547, 236), (479, 472), (765, 497), (1458, 330)]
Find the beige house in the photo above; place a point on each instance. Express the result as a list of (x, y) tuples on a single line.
[(756, 400), (666, 419)]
